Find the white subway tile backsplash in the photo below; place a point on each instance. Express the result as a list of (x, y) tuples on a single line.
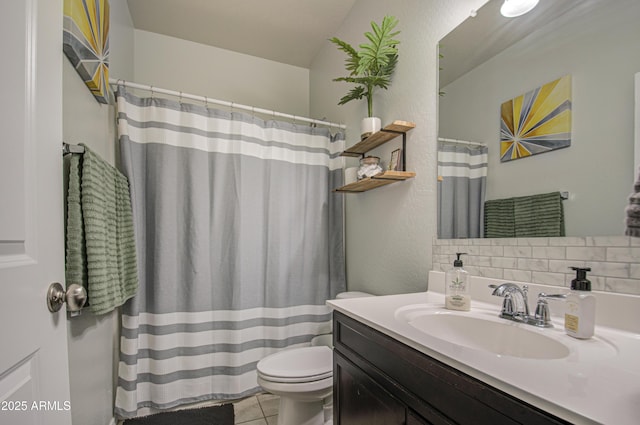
[(504, 241), (489, 272), (610, 269), (533, 241), (479, 260), (608, 241), (483, 242), (533, 264), (505, 262), (623, 254), (586, 254), (475, 249), (626, 286), (495, 251), (562, 266), (567, 241), (517, 251), (519, 275), (554, 252), (615, 260), (546, 278)]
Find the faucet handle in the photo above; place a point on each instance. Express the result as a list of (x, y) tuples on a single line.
[(543, 295), (542, 316)]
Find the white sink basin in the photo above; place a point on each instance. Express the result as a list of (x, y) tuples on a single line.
[(489, 334)]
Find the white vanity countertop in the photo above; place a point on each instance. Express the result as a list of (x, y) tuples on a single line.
[(598, 382)]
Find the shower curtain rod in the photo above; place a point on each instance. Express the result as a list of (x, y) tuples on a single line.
[(207, 100), (463, 142)]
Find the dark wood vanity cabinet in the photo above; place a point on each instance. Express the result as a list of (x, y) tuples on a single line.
[(380, 381)]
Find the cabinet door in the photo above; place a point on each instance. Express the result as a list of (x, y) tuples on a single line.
[(360, 400), (414, 419)]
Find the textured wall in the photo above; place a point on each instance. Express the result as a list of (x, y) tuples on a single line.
[(390, 229), (190, 67), (93, 341)]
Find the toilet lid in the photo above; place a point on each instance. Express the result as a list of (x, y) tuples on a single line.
[(297, 365)]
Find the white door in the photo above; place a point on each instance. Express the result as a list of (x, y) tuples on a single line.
[(34, 378)]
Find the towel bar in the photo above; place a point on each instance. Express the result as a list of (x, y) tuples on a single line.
[(68, 148)]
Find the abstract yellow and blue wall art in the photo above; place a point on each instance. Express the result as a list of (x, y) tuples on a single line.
[(86, 43), (536, 122)]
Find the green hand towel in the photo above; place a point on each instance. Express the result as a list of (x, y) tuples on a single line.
[(76, 255), (100, 238), (539, 215), (498, 219), (524, 216)]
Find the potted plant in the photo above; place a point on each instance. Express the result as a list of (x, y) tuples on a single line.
[(371, 67)]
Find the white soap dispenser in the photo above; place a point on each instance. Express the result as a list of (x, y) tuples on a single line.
[(580, 310), (457, 287)]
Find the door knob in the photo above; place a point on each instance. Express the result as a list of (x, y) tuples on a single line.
[(75, 297)]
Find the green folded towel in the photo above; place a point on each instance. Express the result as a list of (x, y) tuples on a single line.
[(100, 240), (498, 218), (539, 215), (524, 216)]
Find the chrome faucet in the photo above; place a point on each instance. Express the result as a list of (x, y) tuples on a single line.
[(515, 305)]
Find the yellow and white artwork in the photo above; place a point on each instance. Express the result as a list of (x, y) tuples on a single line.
[(536, 122), (86, 43)]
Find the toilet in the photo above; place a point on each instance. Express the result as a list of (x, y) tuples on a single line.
[(303, 378)]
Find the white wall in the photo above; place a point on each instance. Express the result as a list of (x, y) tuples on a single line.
[(93, 341), (390, 229), (194, 68), (596, 169)]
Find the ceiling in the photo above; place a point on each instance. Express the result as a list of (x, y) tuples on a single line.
[(286, 31), (481, 37)]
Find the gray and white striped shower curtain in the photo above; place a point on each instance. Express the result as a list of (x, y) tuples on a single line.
[(239, 241), (462, 180)]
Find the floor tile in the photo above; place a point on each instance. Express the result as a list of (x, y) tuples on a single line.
[(247, 410), (261, 421), (272, 420), (269, 404)]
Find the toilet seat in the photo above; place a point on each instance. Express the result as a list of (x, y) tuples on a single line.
[(297, 365)]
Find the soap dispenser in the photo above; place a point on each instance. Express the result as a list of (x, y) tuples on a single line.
[(457, 287), (580, 311)]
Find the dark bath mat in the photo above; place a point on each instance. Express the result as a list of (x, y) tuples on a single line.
[(215, 415)]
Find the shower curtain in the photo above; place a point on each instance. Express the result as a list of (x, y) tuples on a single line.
[(239, 242), (462, 172)]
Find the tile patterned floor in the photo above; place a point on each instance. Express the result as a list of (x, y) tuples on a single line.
[(261, 409)]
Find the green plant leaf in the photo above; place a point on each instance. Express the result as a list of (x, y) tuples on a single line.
[(351, 63), (382, 46), (373, 66), (355, 93)]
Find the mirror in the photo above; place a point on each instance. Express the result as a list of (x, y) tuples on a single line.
[(490, 59)]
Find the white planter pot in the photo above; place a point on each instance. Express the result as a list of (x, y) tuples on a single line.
[(369, 126)]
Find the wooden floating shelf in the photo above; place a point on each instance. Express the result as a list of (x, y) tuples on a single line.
[(382, 179), (376, 139)]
